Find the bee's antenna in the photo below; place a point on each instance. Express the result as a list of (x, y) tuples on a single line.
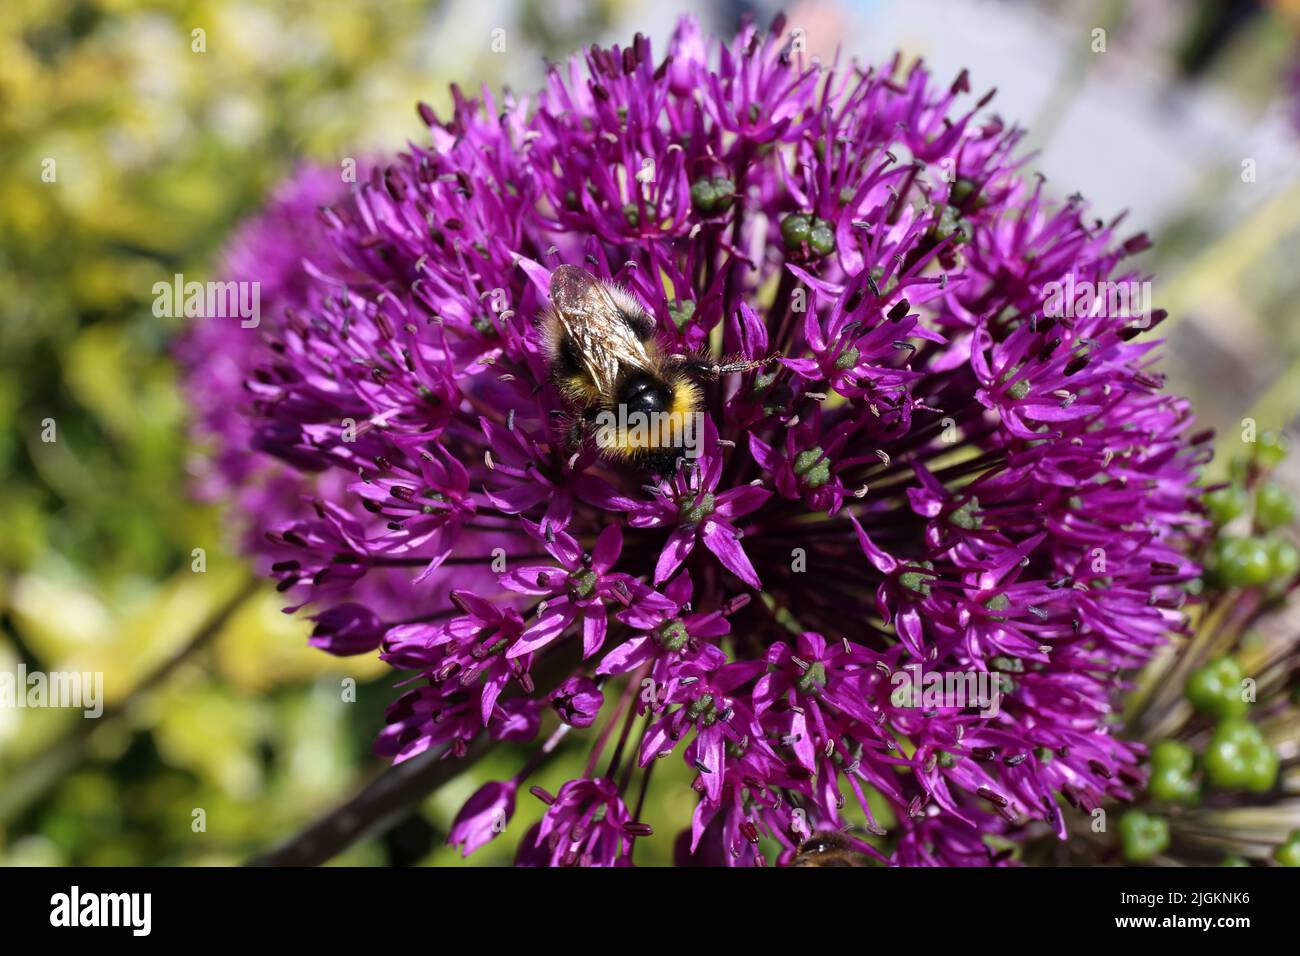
[(707, 368)]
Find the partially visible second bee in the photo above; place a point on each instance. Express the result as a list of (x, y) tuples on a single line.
[(604, 355), (828, 848)]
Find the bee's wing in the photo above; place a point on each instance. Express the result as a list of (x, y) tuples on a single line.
[(595, 322)]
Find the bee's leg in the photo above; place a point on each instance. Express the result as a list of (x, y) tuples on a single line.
[(570, 428), (575, 435), (707, 367)]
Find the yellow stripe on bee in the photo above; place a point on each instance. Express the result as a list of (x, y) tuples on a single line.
[(579, 389), (686, 396), (661, 430)]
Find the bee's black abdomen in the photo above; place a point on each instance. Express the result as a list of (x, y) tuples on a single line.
[(641, 393)]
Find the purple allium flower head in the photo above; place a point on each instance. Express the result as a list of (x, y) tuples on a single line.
[(933, 464), (279, 250)]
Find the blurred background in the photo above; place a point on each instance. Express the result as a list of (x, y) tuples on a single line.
[(1186, 114)]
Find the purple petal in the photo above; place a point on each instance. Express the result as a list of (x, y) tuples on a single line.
[(721, 540)]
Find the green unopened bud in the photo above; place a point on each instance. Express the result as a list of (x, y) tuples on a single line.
[(821, 238), (702, 196), (1172, 785), (712, 196), (1270, 449), (1274, 508), (1288, 853), (1238, 758), (1143, 836), (1284, 561), (1242, 562), (1224, 504), (1171, 753), (795, 230), (1215, 689), (800, 228)]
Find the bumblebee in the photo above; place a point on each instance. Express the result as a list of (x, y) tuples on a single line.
[(828, 848), (615, 376)]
